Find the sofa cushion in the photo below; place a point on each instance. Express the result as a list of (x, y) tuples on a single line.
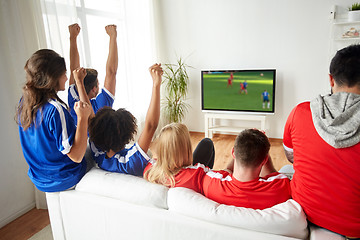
[(124, 187), (286, 219)]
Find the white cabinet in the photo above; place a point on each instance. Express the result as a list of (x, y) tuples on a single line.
[(213, 123)]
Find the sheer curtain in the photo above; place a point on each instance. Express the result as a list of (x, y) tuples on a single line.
[(136, 46)]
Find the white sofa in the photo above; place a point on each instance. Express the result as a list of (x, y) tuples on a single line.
[(108, 205)]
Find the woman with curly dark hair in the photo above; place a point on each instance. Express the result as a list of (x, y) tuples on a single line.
[(110, 131)]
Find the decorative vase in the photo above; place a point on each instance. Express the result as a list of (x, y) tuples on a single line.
[(354, 16)]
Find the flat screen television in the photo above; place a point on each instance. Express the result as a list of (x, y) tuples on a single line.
[(238, 91)]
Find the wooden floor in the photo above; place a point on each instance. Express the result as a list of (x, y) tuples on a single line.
[(35, 220), (224, 143), (25, 226)]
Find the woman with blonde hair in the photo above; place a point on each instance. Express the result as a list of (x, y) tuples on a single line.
[(175, 164)]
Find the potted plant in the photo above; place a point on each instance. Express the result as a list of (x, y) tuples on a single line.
[(176, 81), (354, 12)]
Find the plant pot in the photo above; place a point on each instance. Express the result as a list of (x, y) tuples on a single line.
[(354, 16)]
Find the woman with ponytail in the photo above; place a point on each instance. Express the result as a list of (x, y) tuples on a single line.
[(52, 145)]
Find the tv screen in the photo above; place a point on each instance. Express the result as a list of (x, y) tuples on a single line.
[(242, 91)]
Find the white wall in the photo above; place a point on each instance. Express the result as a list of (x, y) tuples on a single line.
[(291, 36), (16, 190)]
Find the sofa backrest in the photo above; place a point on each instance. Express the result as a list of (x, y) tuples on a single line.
[(287, 219), (124, 187)]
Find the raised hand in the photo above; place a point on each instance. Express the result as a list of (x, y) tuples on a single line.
[(74, 30), (82, 109), (111, 30), (79, 75), (156, 73)]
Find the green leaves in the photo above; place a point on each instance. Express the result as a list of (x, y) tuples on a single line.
[(176, 81), (354, 7)]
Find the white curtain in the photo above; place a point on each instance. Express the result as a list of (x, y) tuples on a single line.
[(136, 46)]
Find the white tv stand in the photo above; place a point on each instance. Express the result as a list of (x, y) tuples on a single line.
[(211, 127)]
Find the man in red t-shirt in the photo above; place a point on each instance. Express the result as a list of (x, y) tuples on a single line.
[(321, 138), (245, 187)]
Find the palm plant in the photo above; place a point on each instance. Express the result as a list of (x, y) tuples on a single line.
[(176, 81)]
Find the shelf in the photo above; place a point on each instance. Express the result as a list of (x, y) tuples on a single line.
[(347, 39), (346, 23), (225, 129), (211, 127), (340, 27)]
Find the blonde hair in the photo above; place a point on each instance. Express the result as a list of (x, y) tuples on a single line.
[(174, 151)]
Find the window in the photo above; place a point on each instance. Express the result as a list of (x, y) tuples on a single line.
[(135, 45)]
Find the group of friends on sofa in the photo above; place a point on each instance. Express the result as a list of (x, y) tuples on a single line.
[(321, 139)]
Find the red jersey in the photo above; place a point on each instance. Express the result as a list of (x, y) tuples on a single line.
[(326, 181), (188, 177), (260, 193)]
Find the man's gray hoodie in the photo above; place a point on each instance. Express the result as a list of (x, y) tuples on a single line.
[(337, 118)]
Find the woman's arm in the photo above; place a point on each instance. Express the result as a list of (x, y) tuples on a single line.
[(79, 75), (153, 113), (74, 31), (77, 151), (112, 61)]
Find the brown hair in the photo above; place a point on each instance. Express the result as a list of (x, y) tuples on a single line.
[(174, 151), (111, 129), (251, 148), (90, 80), (43, 71)]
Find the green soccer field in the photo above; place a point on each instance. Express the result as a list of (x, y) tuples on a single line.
[(218, 95)]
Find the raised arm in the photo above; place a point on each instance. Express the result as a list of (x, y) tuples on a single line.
[(83, 111), (74, 31), (79, 75), (153, 113), (77, 151), (112, 61)]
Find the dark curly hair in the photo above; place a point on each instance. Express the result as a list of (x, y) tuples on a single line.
[(251, 147), (111, 129)]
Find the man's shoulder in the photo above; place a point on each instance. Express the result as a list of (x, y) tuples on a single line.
[(300, 109), (303, 105)]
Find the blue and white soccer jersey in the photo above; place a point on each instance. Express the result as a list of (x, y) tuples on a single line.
[(45, 147), (131, 160), (265, 96), (245, 85), (104, 98)]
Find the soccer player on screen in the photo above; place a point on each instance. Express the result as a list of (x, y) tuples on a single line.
[(229, 82), (265, 98), (241, 88), (230, 79), (245, 86)]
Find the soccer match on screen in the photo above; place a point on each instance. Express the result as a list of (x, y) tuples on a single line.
[(238, 90)]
